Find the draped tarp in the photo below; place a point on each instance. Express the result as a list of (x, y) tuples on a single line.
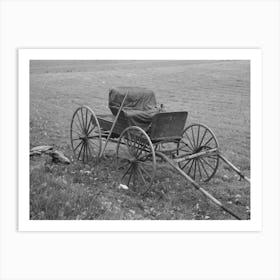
[(139, 106)]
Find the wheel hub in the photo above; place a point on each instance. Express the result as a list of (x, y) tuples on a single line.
[(133, 160)]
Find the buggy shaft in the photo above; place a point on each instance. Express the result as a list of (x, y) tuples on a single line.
[(113, 125), (203, 153), (199, 188), (235, 168)]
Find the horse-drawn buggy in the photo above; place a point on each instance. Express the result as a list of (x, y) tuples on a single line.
[(146, 134)]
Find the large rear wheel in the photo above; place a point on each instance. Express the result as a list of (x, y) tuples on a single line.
[(85, 135)]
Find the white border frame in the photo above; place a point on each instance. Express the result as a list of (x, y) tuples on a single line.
[(254, 55)]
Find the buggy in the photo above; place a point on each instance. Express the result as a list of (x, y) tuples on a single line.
[(145, 133)]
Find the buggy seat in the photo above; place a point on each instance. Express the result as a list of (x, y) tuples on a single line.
[(139, 106)]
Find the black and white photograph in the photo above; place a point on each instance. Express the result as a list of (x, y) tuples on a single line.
[(139, 139)]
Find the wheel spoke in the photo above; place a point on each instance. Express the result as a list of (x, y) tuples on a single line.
[(130, 175), (93, 127), (139, 148), (130, 137), (146, 152), (86, 124), (199, 169), (193, 137), (204, 134), (189, 171), (132, 147), (88, 128), (140, 151), (145, 171), (190, 141), (90, 122), (204, 160), (125, 140), (78, 128), (187, 162), (81, 150), (135, 142), (84, 121), (211, 138), (78, 133), (128, 144), (146, 165), (76, 139), (83, 153), (213, 157), (124, 165), (203, 167), (82, 116), (142, 177), (78, 146), (198, 136), (125, 173), (92, 141), (81, 126)]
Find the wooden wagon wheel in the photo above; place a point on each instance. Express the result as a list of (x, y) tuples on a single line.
[(136, 160), (85, 135), (198, 138)]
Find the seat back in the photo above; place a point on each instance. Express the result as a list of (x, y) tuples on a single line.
[(168, 126)]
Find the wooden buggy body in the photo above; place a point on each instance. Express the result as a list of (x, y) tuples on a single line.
[(159, 125), (144, 133)]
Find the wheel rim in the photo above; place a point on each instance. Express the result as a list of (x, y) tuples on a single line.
[(136, 160), (85, 135), (198, 138)]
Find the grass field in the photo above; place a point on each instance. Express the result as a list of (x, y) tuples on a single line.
[(215, 93)]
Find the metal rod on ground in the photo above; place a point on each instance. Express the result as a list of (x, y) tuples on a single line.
[(235, 168), (113, 125), (207, 194)]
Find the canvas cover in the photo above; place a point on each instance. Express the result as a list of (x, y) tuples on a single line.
[(139, 106)]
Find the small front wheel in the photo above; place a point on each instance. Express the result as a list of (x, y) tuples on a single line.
[(136, 159), (85, 135)]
